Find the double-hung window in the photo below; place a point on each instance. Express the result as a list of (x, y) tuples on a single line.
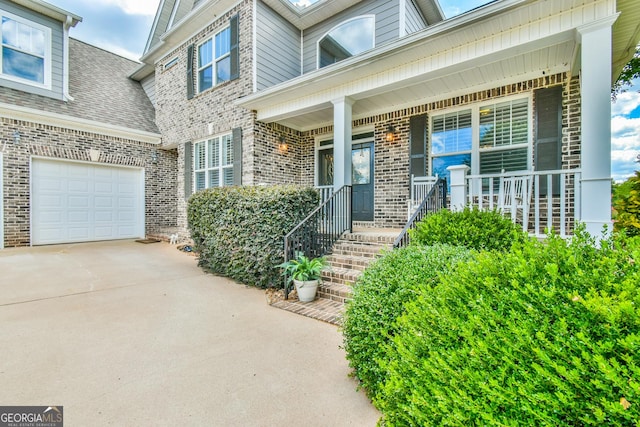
[(26, 52), (213, 162), (214, 60), (489, 138)]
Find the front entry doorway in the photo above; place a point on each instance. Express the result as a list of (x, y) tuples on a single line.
[(362, 173), (362, 180)]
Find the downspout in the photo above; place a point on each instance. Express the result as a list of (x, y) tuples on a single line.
[(65, 62)]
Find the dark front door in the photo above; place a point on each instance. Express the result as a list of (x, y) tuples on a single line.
[(362, 181)]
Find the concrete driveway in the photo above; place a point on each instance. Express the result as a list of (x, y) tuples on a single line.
[(123, 333)]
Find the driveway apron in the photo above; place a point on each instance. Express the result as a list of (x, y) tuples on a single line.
[(124, 333)]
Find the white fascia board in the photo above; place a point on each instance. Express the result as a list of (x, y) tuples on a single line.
[(49, 10), (75, 123)]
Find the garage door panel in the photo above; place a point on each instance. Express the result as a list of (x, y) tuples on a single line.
[(104, 216), (76, 186), (76, 217), (101, 202), (79, 202)]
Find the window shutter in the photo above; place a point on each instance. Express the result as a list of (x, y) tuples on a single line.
[(235, 48), (188, 173), (190, 72), (548, 142), (236, 135), (418, 143)]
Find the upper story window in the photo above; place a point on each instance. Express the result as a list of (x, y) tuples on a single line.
[(214, 60), (25, 55), (347, 39)]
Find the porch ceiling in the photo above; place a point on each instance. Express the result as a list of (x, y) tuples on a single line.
[(519, 63), (513, 65)]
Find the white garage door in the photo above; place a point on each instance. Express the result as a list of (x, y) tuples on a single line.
[(79, 202)]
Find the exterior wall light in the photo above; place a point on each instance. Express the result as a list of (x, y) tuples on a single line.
[(154, 157), (16, 137), (282, 144), (391, 133)]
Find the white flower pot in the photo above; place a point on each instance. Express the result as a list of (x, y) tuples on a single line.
[(306, 290)]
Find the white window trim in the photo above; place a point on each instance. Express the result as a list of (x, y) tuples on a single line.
[(47, 52), (373, 35), (475, 132), (214, 61), (220, 168)]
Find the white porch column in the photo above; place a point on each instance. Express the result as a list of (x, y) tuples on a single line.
[(596, 125), (342, 121), (458, 186)]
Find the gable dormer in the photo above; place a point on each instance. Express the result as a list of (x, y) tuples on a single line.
[(34, 57)]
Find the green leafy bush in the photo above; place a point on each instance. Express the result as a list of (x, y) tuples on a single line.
[(239, 231), (626, 206), (471, 228), (545, 335), (378, 299)]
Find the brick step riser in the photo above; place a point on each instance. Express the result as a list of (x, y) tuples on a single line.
[(337, 298), (349, 263), (358, 250), (379, 240)]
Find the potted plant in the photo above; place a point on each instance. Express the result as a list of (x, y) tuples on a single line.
[(305, 274)]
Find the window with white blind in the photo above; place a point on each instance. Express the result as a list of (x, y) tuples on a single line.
[(504, 136), (489, 138), (213, 162)]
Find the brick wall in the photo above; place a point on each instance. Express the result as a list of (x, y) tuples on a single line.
[(211, 112), (61, 143)]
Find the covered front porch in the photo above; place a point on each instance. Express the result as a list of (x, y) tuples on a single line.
[(532, 112)]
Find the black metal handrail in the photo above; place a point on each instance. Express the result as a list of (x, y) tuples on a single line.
[(317, 233), (435, 200)]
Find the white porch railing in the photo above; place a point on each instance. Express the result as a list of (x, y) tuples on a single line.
[(420, 187), (325, 192), (537, 200)]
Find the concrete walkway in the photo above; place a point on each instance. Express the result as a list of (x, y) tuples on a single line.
[(123, 333)]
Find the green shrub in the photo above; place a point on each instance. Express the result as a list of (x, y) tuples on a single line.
[(626, 206), (545, 335), (239, 231), (378, 299), (471, 228)]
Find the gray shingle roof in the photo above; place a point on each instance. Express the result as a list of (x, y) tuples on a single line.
[(101, 88)]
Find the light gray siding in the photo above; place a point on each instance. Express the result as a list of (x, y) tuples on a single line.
[(387, 27), (414, 19), (149, 86), (56, 51), (278, 55)]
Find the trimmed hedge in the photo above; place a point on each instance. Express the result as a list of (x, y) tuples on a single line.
[(471, 228), (239, 231), (379, 296), (546, 335)]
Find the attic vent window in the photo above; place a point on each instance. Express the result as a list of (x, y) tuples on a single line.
[(171, 63), (347, 39)]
